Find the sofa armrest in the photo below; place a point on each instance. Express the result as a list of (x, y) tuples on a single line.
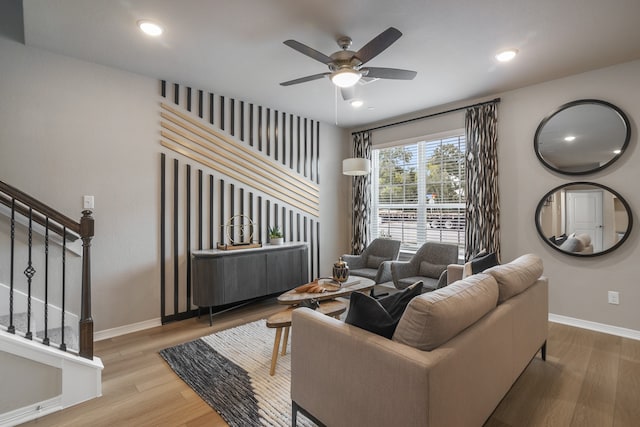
[(402, 269), (454, 273), (354, 261), (338, 372)]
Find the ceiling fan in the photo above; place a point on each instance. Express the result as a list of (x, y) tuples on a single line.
[(346, 66)]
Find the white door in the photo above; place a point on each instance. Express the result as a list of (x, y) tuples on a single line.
[(584, 215)]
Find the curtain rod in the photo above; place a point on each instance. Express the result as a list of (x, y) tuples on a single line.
[(453, 110)]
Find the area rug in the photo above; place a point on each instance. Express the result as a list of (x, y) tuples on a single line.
[(230, 371)]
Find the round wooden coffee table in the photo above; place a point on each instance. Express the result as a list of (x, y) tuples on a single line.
[(282, 320)]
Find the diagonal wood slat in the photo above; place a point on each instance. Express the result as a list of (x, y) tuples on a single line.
[(239, 177), (244, 176), (238, 166), (204, 131)]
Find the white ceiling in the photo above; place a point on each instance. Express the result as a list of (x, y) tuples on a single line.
[(235, 48)]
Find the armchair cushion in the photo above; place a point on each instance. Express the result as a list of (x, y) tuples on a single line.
[(380, 316), (427, 264), (429, 269), (374, 261), (369, 273), (429, 283)]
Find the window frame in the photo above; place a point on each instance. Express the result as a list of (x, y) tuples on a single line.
[(402, 212)]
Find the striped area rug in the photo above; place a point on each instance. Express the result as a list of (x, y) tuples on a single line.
[(230, 371)]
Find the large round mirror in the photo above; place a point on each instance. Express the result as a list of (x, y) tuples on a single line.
[(583, 219), (582, 137)]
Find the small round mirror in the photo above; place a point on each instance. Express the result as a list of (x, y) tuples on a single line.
[(583, 219), (582, 137)]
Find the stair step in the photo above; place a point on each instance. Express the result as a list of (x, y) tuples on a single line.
[(54, 334)]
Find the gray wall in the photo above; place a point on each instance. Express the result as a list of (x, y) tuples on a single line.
[(578, 287), (25, 382), (70, 128)]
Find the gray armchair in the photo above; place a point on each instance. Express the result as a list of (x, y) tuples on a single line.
[(429, 264), (371, 262)]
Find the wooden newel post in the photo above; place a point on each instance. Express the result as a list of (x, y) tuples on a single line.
[(86, 322)]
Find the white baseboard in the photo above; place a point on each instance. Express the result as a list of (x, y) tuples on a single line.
[(126, 329), (594, 326), (31, 412)]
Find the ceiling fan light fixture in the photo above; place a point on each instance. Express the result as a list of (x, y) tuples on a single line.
[(345, 77)]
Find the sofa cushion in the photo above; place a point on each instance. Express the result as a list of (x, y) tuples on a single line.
[(428, 269), (434, 318), (516, 276), (375, 261), (380, 316)]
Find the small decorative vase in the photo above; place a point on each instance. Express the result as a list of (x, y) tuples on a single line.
[(340, 271), (276, 240)]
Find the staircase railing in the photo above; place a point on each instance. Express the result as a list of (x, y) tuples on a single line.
[(34, 211)]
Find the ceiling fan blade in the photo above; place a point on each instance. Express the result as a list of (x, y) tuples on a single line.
[(389, 73), (348, 93), (310, 52), (304, 79), (378, 44)]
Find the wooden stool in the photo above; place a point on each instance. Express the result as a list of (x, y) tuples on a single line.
[(282, 320)]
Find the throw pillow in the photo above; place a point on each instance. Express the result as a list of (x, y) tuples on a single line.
[(396, 303), (572, 245), (375, 261), (480, 264), (560, 239), (381, 316), (434, 271)]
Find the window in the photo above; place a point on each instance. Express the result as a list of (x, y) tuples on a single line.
[(418, 192)]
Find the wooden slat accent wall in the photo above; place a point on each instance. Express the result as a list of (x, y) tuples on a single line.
[(231, 157)]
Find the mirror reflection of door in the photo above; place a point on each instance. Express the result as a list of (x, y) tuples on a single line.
[(584, 215), (592, 213)]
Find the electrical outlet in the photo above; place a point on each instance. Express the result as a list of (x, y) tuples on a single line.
[(614, 297)]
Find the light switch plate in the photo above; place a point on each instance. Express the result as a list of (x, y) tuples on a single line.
[(87, 202)]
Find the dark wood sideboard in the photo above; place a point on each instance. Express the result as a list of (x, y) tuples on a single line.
[(224, 277)]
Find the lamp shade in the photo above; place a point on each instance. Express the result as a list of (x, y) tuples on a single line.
[(356, 166)]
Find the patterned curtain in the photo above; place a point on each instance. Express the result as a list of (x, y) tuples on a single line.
[(483, 208), (361, 191)]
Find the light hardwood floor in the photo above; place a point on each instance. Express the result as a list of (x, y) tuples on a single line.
[(589, 379)]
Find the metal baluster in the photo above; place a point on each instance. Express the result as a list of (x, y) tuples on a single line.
[(12, 328), (45, 340), (63, 346), (29, 272)]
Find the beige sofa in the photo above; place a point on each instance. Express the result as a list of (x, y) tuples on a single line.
[(453, 357)]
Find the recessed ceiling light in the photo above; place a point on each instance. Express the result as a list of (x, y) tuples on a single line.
[(149, 27), (356, 103), (569, 138), (617, 151), (506, 55)]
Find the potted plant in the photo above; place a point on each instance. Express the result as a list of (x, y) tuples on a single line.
[(275, 236)]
